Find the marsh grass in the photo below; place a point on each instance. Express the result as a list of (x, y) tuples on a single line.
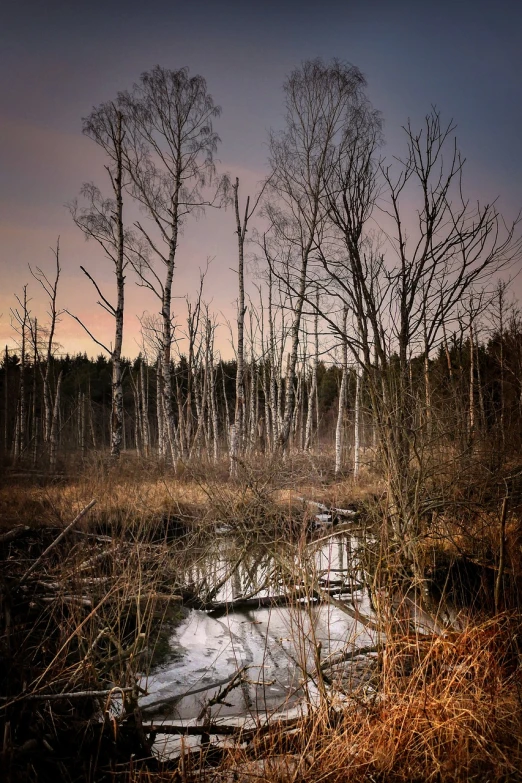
[(442, 706)]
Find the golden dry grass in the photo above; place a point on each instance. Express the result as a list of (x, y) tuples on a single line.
[(447, 708), (456, 716), (140, 491)]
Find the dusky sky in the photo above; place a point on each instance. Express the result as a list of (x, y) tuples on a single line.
[(59, 59)]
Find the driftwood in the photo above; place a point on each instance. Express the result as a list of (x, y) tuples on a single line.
[(335, 512), (174, 699)]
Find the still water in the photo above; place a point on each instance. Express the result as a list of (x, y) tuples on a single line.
[(277, 645)]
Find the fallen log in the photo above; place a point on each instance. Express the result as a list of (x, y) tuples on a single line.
[(145, 598), (259, 602), (269, 601), (57, 540), (61, 696), (344, 528), (78, 600), (320, 594), (223, 729), (339, 512), (95, 559), (95, 536)]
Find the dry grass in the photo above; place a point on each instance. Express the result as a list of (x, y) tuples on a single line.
[(201, 493), (447, 709), (443, 708)]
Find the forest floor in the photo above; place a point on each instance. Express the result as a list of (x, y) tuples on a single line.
[(78, 615)]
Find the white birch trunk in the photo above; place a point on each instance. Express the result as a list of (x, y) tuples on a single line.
[(159, 410), (144, 413), (53, 443), (357, 424), (342, 401)]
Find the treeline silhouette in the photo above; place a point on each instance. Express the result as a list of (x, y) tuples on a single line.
[(487, 377)]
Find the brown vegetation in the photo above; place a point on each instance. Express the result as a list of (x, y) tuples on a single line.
[(79, 626)]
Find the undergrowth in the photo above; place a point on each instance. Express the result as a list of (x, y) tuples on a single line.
[(444, 705)]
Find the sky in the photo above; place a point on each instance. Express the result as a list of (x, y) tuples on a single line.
[(59, 59)]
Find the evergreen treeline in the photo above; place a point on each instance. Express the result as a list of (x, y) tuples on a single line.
[(480, 390)]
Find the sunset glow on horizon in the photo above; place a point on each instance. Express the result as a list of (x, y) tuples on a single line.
[(60, 61)]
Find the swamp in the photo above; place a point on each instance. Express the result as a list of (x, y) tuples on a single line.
[(290, 552), (181, 630)]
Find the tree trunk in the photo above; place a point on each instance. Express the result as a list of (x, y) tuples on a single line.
[(239, 415), (6, 401), (144, 411), (53, 441), (313, 388), (159, 410), (117, 388), (357, 424), (342, 402)]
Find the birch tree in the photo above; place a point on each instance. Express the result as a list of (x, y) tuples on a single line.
[(321, 100), (102, 220), (169, 157), (50, 288), (20, 319)]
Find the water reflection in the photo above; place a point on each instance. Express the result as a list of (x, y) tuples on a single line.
[(278, 645)]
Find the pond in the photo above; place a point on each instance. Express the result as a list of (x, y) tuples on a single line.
[(277, 645)]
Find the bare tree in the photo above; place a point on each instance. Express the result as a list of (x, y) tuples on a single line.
[(20, 320), (50, 288), (400, 305), (168, 155), (238, 434), (313, 388), (339, 430), (320, 102), (102, 220)]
